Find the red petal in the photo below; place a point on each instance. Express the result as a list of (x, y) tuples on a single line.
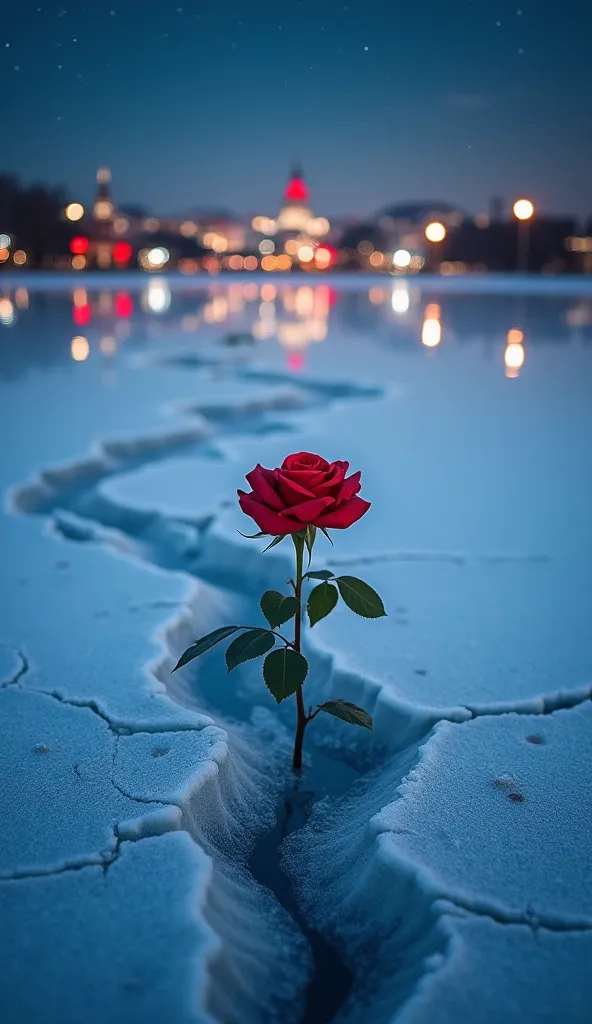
[(309, 511), (342, 517), (349, 487), (291, 491), (265, 517), (306, 461), (262, 480), (333, 479)]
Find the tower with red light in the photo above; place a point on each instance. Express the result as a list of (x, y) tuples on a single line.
[(295, 214), (103, 207)]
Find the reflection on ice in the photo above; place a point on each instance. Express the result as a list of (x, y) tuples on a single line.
[(290, 315), (514, 354), (400, 297), (157, 297)]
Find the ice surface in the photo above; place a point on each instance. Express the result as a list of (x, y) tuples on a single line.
[(478, 541), (487, 976), (93, 946), (59, 805), (488, 825), (114, 604), (494, 813)]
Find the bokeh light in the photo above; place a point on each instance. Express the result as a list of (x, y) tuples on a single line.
[(74, 211), (401, 258), (400, 299), (158, 256), (523, 209), (435, 232), (79, 348)]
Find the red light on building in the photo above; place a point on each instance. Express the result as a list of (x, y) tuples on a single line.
[(124, 306), (296, 191), (325, 256), (122, 252), (81, 315), (79, 245)]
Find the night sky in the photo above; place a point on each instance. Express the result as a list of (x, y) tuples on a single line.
[(196, 103)]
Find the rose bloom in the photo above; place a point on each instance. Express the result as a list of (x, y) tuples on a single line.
[(305, 491)]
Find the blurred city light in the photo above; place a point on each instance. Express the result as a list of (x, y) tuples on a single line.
[(523, 209), (318, 226), (4, 254), (400, 298), (325, 256), (515, 336), (19, 258), (435, 232), (305, 253), (78, 262), (122, 252), (6, 312), (74, 211), (79, 245), (121, 225), (21, 298), (376, 258), (5, 241), (79, 348), (103, 209), (266, 246), (158, 256), (401, 258)]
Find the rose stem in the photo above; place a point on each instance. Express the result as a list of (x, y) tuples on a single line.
[(302, 719)]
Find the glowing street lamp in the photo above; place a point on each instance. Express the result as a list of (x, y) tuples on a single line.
[(435, 233), (74, 211), (523, 211)]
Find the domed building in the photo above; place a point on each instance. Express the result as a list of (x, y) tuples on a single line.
[(295, 214)]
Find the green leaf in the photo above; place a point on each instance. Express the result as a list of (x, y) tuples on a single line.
[(321, 601), (360, 597), (284, 671), (204, 643), (347, 712), (309, 539), (324, 530), (276, 540), (253, 536), (277, 608), (319, 574), (251, 644)]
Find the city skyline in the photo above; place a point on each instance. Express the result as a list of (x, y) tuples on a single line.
[(195, 107)]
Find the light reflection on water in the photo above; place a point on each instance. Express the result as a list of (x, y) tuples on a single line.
[(39, 328)]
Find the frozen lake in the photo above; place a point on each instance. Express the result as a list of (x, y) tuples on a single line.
[(436, 871)]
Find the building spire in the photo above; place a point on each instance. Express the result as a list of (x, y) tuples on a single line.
[(296, 190)]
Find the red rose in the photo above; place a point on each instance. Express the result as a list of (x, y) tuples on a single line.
[(305, 490)]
